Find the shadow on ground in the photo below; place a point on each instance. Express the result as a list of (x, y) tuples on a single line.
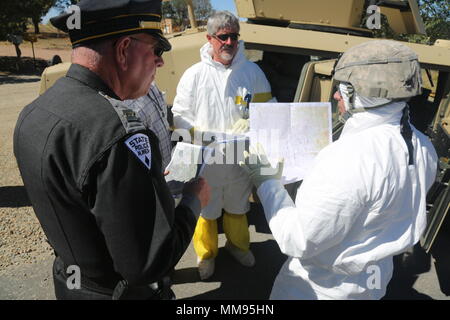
[(238, 282), (16, 79), (14, 197), (440, 253), (408, 267), (22, 66)]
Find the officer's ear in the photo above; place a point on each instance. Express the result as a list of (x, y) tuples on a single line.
[(122, 52), (209, 38)]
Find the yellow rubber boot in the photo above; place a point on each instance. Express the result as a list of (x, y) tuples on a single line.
[(235, 227), (205, 239)]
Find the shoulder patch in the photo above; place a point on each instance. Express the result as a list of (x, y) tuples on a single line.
[(139, 143)]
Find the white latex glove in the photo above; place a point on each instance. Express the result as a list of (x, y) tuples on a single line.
[(258, 166), (241, 126)]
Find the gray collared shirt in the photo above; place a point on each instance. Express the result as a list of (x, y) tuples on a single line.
[(152, 110)]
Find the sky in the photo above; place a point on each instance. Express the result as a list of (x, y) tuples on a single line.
[(216, 4), (224, 5)]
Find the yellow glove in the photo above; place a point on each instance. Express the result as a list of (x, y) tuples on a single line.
[(196, 136), (199, 137), (241, 126), (258, 166)]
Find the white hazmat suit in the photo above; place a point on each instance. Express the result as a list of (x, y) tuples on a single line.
[(212, 97), (209, 97), (360, 205)]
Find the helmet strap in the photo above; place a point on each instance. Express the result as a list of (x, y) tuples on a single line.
[(406, 132), (351, 96), (351, 99), (351, 104)]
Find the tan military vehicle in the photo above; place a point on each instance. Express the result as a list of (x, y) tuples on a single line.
[(296, 44)]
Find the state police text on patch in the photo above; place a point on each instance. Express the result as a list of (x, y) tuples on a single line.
[(140, 145)]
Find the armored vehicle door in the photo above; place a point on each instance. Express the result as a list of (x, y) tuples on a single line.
[(438, 199), (51, 74)]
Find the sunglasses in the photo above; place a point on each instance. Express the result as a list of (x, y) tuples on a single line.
[(224, 37), (157, 49)]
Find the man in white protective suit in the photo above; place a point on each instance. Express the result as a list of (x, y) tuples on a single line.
[(364, 200), (213, 96)]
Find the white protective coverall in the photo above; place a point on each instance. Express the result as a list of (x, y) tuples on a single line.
[(208, 98), (359, 206)]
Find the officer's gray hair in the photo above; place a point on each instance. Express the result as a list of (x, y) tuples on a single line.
[(92, 53), (102, 46), (222, 20)]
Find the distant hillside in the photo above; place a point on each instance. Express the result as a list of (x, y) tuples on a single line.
[(46, 31)]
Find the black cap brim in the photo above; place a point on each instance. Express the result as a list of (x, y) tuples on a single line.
[(110, 19), (163, 41)]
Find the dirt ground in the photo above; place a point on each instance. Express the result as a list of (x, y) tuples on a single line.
[(21, 238), (43, 48), (22, 241), (47, 54)]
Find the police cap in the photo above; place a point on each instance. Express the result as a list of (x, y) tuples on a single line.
[(106, 19)]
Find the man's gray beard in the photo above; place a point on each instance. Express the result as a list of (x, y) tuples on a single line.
[(226, 56)]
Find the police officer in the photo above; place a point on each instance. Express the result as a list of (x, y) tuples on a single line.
[(93, 171)]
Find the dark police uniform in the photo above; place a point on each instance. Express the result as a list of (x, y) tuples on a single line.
[(93, 174), (103, 206)]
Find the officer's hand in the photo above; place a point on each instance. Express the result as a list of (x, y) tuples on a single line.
[(258, 166), (200, 188), (241, 126)]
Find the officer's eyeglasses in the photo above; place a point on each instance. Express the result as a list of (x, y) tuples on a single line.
[(157, 49), (224, 37)]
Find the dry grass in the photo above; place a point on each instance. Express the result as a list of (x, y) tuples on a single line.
[(49, 38), (45, 43)]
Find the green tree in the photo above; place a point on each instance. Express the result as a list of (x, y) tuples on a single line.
[(435, 15), (14, 15), (180, 13), (203, 9), (177, 10), (167, 10), (36, 9), (12, 19)]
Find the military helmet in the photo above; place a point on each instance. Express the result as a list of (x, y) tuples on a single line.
[(381, 69)]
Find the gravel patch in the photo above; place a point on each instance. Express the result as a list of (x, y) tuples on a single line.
[(22, 240), (25, 255), (21, 237)]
